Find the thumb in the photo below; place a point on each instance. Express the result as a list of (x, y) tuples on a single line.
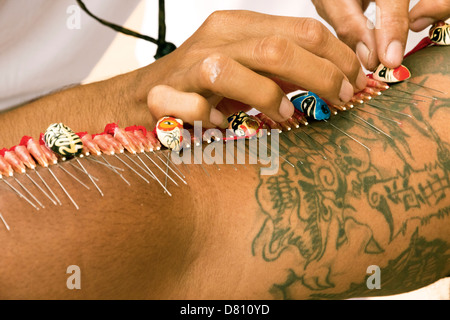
[(352, 27), (393, 32), (426, 12)]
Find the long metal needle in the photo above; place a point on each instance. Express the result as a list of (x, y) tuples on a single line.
[(206, 171), (114, 169), (150, 173), (412, 94), (393, 111), (166, 173), (82, 171), (92, 180), (320, 153), (105, 164), (29, 193), (369, 124), (168, 158), (20, 194), (323, 135), (139, 166), (381, 117), (287, 161), (132, 169), (72, 176), (168, 166), (300, 147), (317, 142), (42, 190), (64, 189), (345, 133), (48, 187), (402, 98), (220, 150), (360, 124), (422, 86), (396, 101), (4, 222)]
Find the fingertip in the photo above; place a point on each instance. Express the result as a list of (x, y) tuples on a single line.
[(346, 93), (158, 96), (218, 119), (286, 109), (363, 53), (393, 55), (361, 81), (421, 23)]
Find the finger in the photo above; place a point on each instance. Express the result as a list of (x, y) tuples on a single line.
[(189, 107), (314, 37), (427, 12), (279, 57), (307, 33), (229, 107), (392, 32), (352, 27), (220, 75)]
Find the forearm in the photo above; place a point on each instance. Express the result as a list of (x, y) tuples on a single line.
[(83, 108)]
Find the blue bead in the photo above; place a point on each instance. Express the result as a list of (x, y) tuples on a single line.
[(311, 105)]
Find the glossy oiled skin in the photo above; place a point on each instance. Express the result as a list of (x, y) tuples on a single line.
[(309, 232)]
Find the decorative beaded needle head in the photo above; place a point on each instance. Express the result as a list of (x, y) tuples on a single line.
[(63, 141), (243, 125), (170, 132), (440, 33), (389, 75), (311, 105)]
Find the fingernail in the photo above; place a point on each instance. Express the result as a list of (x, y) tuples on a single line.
[(286, 108), (218, 119), (347, 92), (421, 23), (394, 53), (363, 53), (361, 81)]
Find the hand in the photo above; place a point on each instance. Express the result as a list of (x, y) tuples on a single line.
[(426, 12), (241, 59), (383, 43)]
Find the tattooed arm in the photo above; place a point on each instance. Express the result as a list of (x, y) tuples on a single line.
[(309, 232), (382, 200)]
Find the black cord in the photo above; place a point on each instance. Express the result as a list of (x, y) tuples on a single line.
[(164, 47)]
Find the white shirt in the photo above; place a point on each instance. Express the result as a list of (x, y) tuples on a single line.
[(49, 44)]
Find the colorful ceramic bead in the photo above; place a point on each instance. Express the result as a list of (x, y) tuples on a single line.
[(243, 125), (170, 133), (388, 75), (63, 141), (311, 105), (440, 33)]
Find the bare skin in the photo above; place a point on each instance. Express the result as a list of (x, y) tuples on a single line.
[(309, 232)]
